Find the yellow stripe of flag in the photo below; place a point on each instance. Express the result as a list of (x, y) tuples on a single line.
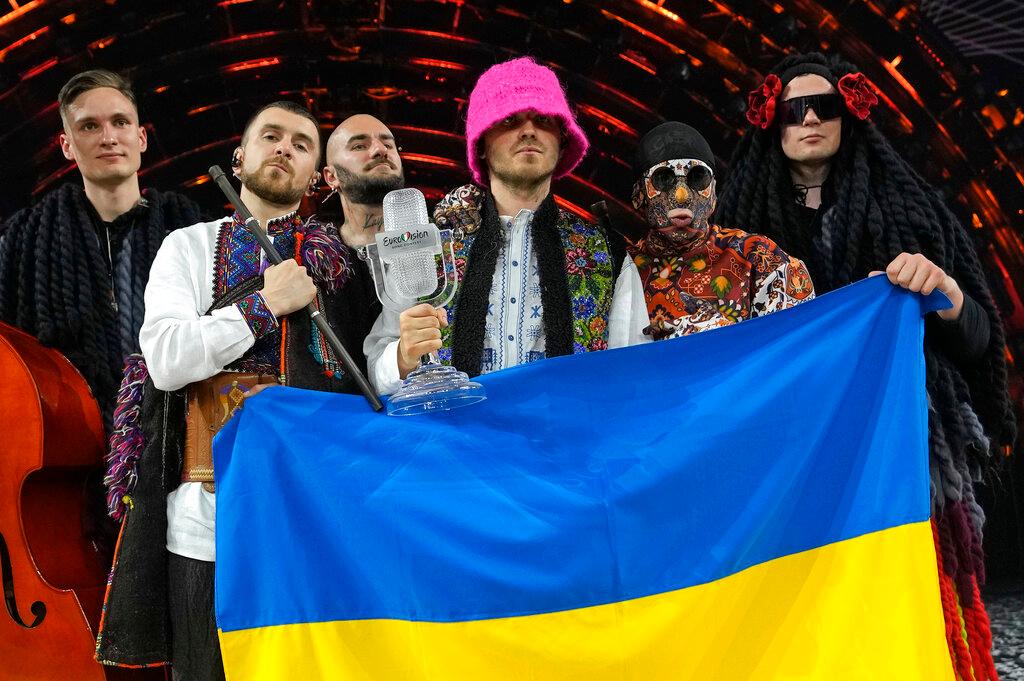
[(864, 608)]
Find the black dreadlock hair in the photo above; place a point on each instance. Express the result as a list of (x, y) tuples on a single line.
[(876, 206), (53, 283)]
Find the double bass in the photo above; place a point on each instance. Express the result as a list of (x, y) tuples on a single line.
[(54, 575)]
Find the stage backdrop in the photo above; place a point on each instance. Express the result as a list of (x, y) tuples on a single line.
[(748, 503)]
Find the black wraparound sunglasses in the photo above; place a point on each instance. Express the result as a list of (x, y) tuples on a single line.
[(792, 111)]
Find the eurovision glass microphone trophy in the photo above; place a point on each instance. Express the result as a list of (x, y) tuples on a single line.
[(413, 262)]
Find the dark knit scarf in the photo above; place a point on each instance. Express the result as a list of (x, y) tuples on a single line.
[(475, 288), (54, 283)]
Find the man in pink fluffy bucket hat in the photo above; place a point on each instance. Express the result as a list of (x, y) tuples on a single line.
[(535, 281), (511, 92)]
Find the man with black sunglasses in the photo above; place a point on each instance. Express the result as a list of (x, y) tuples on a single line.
[(830, 188), (811, 129), (697, 275)]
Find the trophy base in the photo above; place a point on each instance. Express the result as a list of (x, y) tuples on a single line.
[(434, 387)]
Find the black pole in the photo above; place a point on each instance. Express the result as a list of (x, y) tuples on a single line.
[(253, 225)]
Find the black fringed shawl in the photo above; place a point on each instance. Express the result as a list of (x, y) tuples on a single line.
[(55, 285)]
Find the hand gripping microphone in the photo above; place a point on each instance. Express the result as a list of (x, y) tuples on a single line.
[(413, 262), (253, 225)]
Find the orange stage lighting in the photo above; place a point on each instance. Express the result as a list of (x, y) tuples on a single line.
[(18, 43), (439, 64), (251, 64), (45, 66)]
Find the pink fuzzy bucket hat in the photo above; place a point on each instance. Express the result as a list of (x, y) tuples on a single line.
[(509, 88)]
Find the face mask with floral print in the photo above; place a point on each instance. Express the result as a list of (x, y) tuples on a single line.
[(676, 198)]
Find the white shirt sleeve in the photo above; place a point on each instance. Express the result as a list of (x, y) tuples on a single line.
[(628, 317), (181, 344), (381, 349)]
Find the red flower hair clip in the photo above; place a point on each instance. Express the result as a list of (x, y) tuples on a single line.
[(858, 93), (761, 102)]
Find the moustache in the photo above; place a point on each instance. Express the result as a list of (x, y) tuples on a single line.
[(279, 162), (385, 161), (528, 145)]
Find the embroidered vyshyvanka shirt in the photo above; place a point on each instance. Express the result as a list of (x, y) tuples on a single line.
[(182, 344), (514, 331)]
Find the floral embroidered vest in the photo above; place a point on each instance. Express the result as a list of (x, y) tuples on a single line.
[(589, 267)]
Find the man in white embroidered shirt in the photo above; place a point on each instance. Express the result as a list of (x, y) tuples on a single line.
[(534, 281), (212, 306)]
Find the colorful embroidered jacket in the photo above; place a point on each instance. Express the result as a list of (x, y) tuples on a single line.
[(733, 276), (331, 265), (199, 275), (556, 312)]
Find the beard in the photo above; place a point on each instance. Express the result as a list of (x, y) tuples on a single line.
[(522, 180), (367, 189), (526, 176), (272, 191)]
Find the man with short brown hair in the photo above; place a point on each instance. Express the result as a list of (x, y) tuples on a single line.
[(219, 321), (74, 266)]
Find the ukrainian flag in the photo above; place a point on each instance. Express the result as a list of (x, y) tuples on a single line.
[(748, 503)]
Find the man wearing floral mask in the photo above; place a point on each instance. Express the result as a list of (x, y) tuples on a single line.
[(697, 275)]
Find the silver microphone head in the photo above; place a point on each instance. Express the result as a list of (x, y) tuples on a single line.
[(405, 209), (414, 275)]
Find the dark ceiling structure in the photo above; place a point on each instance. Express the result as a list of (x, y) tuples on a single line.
[(200, 67), (949, 72)]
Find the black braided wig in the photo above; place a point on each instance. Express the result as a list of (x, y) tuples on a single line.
[(875, 207), (54, 283)]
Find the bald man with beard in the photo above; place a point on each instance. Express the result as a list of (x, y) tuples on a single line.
[(362, 166)]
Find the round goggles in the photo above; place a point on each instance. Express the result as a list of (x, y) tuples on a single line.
[(826, 107), (663, 177)]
